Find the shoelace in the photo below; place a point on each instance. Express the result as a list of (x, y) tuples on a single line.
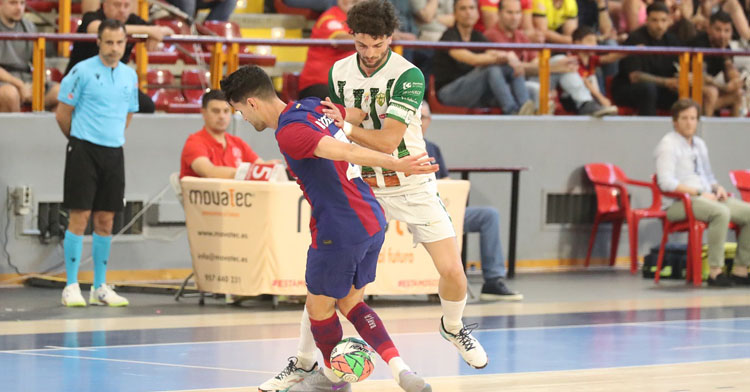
[(464, 336), (289, 368)]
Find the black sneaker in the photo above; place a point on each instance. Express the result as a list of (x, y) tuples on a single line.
[(740, 280), (721, 280), (496, 290)]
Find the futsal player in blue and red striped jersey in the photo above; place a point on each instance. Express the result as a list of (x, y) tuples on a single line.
[(347, 223)]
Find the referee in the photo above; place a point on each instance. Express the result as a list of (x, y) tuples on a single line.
[(97, 101)]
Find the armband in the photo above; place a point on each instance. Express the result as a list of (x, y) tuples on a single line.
[(347, 128)]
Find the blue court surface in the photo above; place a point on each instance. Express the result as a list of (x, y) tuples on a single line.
[(244, 356)]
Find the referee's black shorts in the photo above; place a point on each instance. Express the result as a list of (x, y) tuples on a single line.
[(94, 177)]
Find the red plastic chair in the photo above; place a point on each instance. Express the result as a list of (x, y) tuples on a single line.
[(438, 107), (53, 75), (741, 181), (184, 107), (694, 228), (230, 30), (162, 90), (282, 8), (613, 205)]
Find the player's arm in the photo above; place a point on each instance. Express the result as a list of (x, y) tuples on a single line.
[(127, 120), (64, 116), (408, 93), (335, 150), (204, 168)]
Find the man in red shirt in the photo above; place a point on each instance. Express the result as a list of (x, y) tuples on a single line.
[(211, 152), (313, 81)]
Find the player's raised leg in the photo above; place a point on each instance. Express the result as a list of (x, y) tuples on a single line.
[(452, 291)]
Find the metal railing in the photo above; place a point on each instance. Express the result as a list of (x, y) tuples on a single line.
[(229, 57)]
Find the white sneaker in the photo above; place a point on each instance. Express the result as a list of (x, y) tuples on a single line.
[(71, 296), (289, 377), (105, 296), (468, 346)]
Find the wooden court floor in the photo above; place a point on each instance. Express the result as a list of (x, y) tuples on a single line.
[(562, 337)]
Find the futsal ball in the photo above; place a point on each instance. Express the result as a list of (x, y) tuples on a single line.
[(352, 360)]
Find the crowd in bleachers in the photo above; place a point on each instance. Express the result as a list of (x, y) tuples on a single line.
[(580, 82)]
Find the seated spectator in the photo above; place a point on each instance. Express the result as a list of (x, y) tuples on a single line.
[(119, 10), (489, 15), (682, 165), (563, 69), (595, 14), (482, 220), (218, 9), (556, 19), (313, 80), (211, 152), (407, 30), (722, 84), (738, 11), (433, 18), (478, 78), (15, 60), (588, 62), (648, 82)]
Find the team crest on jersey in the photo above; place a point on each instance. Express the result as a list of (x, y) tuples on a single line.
[(380, 99)]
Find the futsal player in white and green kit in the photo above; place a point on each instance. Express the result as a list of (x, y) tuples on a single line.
[(383, 92)]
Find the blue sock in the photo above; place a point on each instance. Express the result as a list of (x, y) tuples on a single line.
[(100, 250), (72, 247)]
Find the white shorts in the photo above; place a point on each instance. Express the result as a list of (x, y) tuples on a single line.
[(423, 212)]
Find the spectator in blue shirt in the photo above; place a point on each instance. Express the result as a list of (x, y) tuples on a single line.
[(97, 101)]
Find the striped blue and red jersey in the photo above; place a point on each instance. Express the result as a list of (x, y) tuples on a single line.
[(344, 211)]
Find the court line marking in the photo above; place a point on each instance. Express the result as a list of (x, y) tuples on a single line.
[(648, 324), (519, 374), (141, 362), (710, 346)]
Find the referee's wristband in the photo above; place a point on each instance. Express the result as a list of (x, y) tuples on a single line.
[(347, 128)]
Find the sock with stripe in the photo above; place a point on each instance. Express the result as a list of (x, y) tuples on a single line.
[(72, 248), (327, 334), (100, 250)]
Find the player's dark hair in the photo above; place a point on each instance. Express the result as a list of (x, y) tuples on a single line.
[(110, 24), (246, 82), (657, 6), (376, 18), (581, 32), (720, 16), (684, 104), (211, 95)]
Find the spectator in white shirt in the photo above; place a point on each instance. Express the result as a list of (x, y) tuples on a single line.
[(682, 165)]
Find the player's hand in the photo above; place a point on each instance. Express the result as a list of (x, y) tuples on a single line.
[(333, 112), (721, 193), (416, 164), (709, 196)]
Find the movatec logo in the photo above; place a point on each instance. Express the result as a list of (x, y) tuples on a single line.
[(228, 198)]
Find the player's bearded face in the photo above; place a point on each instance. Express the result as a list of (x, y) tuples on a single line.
[(372, 51)]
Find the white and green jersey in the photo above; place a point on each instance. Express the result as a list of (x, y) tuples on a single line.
[(394, 90)]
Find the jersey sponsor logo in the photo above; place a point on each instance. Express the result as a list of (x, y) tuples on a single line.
[(323, 122)]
